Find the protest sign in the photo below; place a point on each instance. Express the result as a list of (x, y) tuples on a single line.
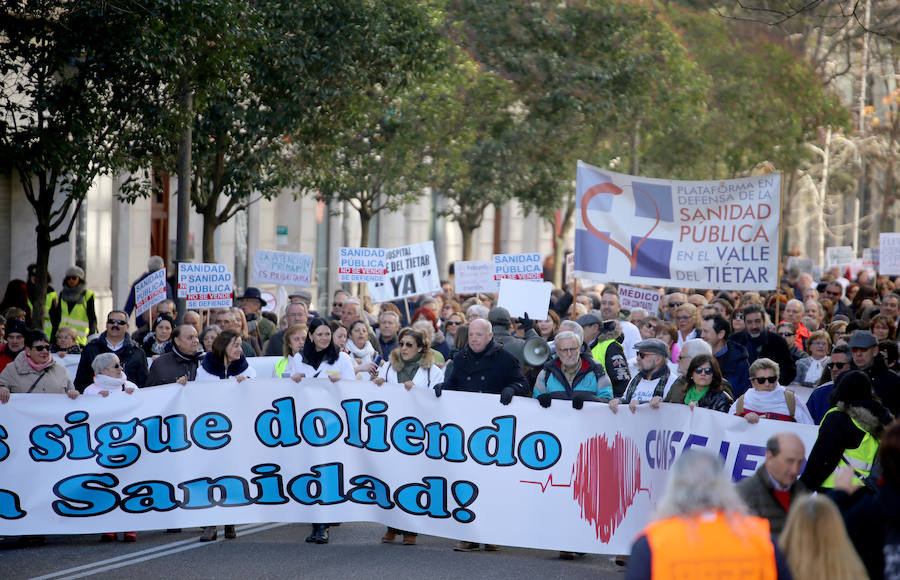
[(838, 256), (265, 451), (870, 259), (518, 266), (149, 291), (521, 296), (631, 298), (411, 270), (889, 254), (287, 268), (361, 265), (474, 277), (795, 265), (702, 234), (205, 285)]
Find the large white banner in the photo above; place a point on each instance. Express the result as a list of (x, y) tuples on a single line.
[(698, 234), (270, 450)]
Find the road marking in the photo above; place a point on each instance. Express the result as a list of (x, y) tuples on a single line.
[(148, 554)]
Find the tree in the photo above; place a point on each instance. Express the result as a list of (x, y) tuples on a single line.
[(73, 108)]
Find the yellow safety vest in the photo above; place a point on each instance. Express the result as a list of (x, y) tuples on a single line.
[(77, 318), (48, 326), (859, 458), (599, 351)]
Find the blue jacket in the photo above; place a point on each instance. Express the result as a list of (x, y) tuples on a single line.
[(590, 378), (735, 367)]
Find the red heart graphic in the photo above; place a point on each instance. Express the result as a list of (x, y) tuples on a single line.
[(611, 188), (606, 481)]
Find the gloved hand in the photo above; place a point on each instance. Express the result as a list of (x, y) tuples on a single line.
[(579, 397), (506, 395), (545, 399), (438, 389), (526, 323)]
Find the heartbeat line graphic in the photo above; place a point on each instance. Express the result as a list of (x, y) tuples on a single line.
[(549, 483)]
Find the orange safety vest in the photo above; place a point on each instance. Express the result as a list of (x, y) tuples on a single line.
[(712, 545)]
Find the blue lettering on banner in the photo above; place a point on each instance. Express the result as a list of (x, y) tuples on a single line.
[(4, 448)]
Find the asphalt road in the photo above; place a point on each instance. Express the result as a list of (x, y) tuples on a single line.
[(278, 551)]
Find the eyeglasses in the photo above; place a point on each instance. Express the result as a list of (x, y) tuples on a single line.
[(408, 344), (837, 365), (117, 322), (645, 354), (818, 343), (764, 380), (67, 277), (40, 347), (685, 318), (573, 349), (704, 371)]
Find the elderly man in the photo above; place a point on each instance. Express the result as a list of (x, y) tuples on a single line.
[(294, 313), (673, 302), (193, 318), (154, 264), (115, 339), (793, 313), (304, 297), (180, 364), (225, 319), (886, 384), (337, 304), (610, 309), (771, 490), (835, 292), (388, 330), (258, 326), (654, 378), (571, 375), (731, 356), (760, 343)]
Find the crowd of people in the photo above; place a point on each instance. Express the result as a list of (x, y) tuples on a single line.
[(814, 352)]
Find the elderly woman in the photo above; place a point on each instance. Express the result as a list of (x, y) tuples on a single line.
[(412, 363), (361, 350), (883, 327), (160, 340), (571, 375), (809, 369), (687, 321), (648, 327), (66, 342), (226, 360), (703, 385), (767, 399), (208, 336), (35, 371), (291, 365)]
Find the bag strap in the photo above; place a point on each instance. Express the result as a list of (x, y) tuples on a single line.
[(37, 380)]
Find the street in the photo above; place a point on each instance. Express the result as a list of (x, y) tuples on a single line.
[(278, 551)]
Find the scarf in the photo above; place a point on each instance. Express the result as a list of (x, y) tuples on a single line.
[(409, 369), (365, 354), (35, 366), (73, 295), (694, 394), (109, 383), (216, 367), (186, 357)]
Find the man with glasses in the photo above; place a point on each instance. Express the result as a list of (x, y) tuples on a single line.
[(225, 319), (788, 332), (653, 379), (294, 313), (835, 292), (793, 313), (114, 339), (673, 302), (838, 363), (760, 343), (886, 384), (731, 356), (338, 303), (767, 399)]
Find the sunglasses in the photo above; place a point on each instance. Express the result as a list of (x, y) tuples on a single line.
[(408, 344), (41, 347), (117, 322), (645, 354), (115, 366), (737, 316), (68, 277), (837, 365), (675, 304), (704, 371), (764, 380), (337, 304), (785, 334), (452, 323)]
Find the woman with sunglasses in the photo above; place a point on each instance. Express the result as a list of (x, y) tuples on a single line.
[(108, 378), (767, 399), (35, 371), (451, 327), (703, 385)]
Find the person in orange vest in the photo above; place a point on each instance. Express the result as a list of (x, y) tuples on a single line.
[(702, 530)]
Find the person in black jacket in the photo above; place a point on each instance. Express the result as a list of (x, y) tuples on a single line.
[(760, 343), (731, 356), (180, 364), (116, 340), (866, 357)]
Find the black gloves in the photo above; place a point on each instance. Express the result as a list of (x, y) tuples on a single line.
[(579, 397), (545, 399), (438, 389), (506, 395), (526, 323)]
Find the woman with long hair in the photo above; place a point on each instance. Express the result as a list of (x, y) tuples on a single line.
[(291, 365), (816, 544), (361, 350)]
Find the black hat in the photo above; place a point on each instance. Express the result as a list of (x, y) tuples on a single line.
[(253, 293), (16, 326), (588, 319), (499, 316)]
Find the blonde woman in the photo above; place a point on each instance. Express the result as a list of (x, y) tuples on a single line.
[(291, 364), (816, 544)]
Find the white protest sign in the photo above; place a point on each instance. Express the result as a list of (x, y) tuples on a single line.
[(474, 277), (796, 265), (205, 285), (521, 296), (149, 291), (518, 266), (631, 298), (411, 270), (889, 254), (870, 258), (838, 256), (570, 268), (288, 268), (361, 265)]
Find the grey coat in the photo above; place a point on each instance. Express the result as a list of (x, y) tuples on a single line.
[(19, 377)]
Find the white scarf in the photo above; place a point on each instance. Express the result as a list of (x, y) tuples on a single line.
[(365, 354), (108, 383)]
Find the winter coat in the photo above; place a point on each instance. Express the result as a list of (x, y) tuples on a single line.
[(769, 345), (427, 376), (873, 523), (885, 383), (171, 366), (758, 493), (132, 357), (590, 378), (489, 371), (735, 367), (19, 377)]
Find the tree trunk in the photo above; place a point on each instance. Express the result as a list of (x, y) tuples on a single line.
[(467, 235), (559, 260), (365, 221), (210, 223), (43, 261)]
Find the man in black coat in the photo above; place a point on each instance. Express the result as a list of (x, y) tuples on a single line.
[(732, 357), (500, 323), (760, 343), (115, 340), (885, 383), (179, 365), (485, 367)]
